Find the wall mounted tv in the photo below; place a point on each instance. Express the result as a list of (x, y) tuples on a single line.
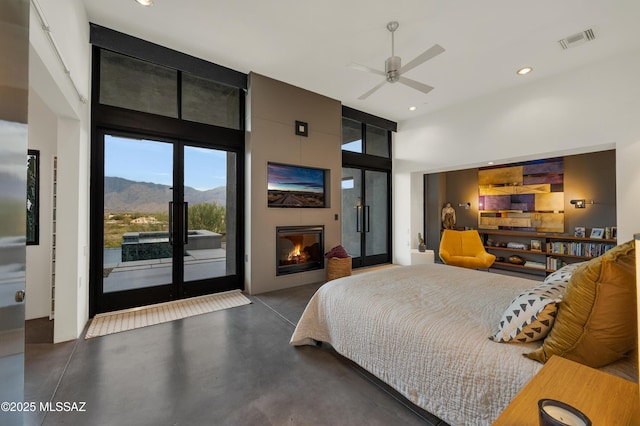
[(296, 186)]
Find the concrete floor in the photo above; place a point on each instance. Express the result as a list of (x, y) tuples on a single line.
[(231, 367)]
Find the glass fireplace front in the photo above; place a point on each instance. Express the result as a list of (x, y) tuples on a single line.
[(299, 249)]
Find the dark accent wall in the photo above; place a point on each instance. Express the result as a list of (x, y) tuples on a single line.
[(435, 185), (590, 176), (462, 188)]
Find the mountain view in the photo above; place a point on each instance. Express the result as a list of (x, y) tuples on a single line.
[(122, 195)]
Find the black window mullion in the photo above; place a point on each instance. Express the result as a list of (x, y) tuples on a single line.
[(179, 96)]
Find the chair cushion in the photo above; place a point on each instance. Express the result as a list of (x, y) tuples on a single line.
[(596, 322)]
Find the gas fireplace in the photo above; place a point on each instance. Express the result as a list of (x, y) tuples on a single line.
[(299, 249)]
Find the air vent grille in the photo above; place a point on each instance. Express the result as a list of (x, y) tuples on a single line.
[(577, 39)]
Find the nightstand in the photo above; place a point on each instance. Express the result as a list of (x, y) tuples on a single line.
[(604, 398)]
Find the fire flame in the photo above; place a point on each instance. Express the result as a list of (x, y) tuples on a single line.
[(297, 255)]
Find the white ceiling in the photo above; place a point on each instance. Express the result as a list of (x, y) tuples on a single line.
[(310, 43)]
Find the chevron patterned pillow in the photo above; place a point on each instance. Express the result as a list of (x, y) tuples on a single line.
[(531, 314)]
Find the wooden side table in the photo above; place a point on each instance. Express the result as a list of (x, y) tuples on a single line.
[(604, 398)]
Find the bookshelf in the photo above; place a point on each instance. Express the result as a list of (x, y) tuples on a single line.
[(556, 250)]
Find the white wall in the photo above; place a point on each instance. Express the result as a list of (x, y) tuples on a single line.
[(589, 109), (42, 136), (69, 139)]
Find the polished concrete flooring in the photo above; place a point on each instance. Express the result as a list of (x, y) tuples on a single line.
[(231, 367)]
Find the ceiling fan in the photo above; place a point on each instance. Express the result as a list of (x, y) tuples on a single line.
[(393, 70)]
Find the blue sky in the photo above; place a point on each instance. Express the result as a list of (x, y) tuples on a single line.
[(150, 161)]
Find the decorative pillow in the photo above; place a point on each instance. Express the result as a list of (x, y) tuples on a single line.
[(531, 314), (596, 322)]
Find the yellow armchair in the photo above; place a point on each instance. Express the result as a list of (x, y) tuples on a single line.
[(464, 248)]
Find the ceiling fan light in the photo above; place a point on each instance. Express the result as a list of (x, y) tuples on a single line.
[(524, 71)]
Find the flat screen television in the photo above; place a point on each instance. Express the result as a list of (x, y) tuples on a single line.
[(295, 186)]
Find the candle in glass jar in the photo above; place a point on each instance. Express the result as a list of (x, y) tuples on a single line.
[(563, 415), (556, 413)]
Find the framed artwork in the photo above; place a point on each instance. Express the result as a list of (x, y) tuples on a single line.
[(536, 245), (33, 197), (597, 233), (579, 231)]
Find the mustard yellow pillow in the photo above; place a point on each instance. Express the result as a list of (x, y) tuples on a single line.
[(596, 322)]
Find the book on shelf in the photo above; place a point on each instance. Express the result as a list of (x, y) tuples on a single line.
[(553, 263), (578, 248), (536, 265)]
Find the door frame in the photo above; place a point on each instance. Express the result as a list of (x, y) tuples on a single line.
[(99, 301), (376, 259)]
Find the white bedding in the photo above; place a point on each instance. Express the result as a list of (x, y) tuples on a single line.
[(424, 330)]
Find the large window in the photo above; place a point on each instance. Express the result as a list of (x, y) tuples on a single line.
[(365, 138), (167, 174), (139, 85)]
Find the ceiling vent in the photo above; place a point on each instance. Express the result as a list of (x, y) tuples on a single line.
[(577, 39)]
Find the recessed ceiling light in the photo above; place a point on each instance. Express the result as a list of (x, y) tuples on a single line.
[(412, 108), (490, 163), (523, 71), (145, 2)]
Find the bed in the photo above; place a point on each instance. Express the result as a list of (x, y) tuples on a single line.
[(424, 330)]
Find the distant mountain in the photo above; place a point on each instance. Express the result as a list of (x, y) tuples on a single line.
[(122, 195)]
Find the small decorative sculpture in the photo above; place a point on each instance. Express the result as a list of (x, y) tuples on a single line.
[(448, 217), (421, 245)]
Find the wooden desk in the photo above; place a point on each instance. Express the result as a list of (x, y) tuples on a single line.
[(604, 398)]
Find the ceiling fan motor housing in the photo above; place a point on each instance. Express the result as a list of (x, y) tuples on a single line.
[(392, 67)]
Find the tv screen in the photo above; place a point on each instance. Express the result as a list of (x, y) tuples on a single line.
[(295, 186)]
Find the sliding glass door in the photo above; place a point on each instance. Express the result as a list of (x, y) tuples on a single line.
[(169, 227)]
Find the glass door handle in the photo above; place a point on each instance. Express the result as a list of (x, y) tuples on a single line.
[(367, 218), (358, 218), (171, 222), (185, 215)]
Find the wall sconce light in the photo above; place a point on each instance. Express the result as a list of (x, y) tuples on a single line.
[(466, 206), (581, 204), (302, 128)]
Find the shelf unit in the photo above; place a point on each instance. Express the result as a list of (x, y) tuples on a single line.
[(556, 251)]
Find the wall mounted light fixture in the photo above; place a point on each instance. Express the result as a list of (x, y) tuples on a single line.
[(466, 206), (302, 128), (581, 204)]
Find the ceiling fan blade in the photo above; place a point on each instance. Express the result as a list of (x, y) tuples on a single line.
[(433, 51), (366, 69), (424, 88), (367, 94)]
